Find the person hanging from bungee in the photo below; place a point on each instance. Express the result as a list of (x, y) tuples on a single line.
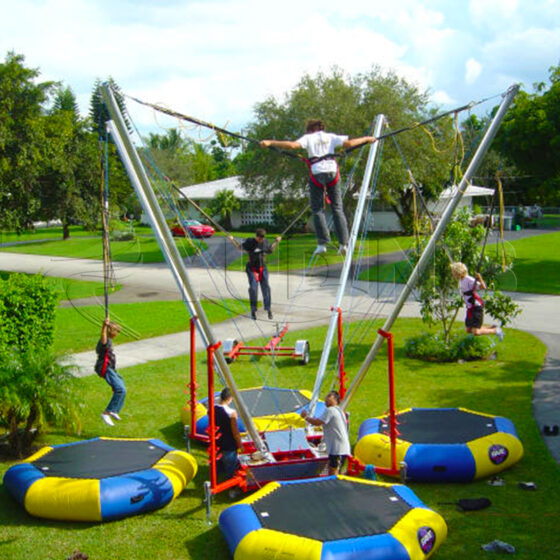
[(324, 177), (469, 286), (105, 367), (257, 273)]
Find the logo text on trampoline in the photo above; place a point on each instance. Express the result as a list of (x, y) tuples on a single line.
[(498, 454), (426, 538)]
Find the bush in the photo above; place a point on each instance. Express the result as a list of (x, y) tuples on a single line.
[(432, 347), (35, 390), (27, 313)]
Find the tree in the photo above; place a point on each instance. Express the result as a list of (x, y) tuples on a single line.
[(98, 112), (70, 179), (439, 298), (222, 205), (530, 136), (22, 140), (348, 105)]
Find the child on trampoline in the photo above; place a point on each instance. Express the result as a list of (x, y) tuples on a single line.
[(468, 286), (105, 367)]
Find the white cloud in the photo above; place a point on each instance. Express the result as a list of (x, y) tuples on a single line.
[(216, 58), (473, 68)]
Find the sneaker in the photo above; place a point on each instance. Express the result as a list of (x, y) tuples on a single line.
[(107, 419), (254, 315), (320, 249), (270, 316), (342, 250), (500, 333), (115, 416)]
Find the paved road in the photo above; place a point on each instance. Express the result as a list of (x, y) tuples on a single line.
[(301, 301)]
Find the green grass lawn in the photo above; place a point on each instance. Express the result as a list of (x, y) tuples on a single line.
[(44, 233), (77, 328), (140, 250), (69, 289), (156, 392), (536, 262), (536, 265), (295, 252)]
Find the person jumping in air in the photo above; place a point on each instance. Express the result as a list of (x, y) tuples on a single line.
[(468, 287), (105, 367), (324, 177)]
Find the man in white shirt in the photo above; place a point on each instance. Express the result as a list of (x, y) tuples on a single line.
[(324, 177), (335, 431)]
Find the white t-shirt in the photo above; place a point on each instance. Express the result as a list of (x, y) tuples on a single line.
[(335, 431), (319, 144), (467, 284)]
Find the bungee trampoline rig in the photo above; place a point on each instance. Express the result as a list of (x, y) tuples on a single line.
[(293, 454)]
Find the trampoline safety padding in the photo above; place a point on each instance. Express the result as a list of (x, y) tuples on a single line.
[(100, 479), (271, 408), (442, 444), (336, 517)]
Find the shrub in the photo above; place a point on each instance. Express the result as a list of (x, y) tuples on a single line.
[(27, 313), (432, 347), (35, 390)]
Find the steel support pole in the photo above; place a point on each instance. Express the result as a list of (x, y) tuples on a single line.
[(150, 205), (436, 236)]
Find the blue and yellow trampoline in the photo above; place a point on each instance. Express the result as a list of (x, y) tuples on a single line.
[(442, 444), (335, 518), (100, 479), (272, 408)]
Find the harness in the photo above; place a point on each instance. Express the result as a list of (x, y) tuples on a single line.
[(313, 160), (472, 297), (105, 363), (258, 273)]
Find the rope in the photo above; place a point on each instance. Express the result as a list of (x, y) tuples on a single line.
[(239, 136)]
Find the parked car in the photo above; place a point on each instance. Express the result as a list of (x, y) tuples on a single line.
[(194, 227)]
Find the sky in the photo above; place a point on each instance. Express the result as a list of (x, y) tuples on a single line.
[(216, 59)]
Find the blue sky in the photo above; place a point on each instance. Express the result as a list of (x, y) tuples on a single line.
[(215, 59)]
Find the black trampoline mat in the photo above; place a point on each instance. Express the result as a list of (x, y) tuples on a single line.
[(266, 401), (329, 510), (441, 426), (99, 458)]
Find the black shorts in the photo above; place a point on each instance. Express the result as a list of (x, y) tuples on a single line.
[(336, 461), (475, 317)]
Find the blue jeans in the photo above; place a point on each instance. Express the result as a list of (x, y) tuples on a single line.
[(254, 288), (116, 382), (229, 463), (316, 201)]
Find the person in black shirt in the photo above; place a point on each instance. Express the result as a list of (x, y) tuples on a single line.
[(257, 273), (230, 439), (105, 367)]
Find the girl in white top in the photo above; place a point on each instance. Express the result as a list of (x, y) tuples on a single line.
[(468, 285)]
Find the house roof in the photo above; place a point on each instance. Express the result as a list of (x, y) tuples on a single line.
[(208, 190), (471, 191)]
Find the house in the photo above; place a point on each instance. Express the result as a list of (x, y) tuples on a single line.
[(251, 211), (254, 212), (385, 219)]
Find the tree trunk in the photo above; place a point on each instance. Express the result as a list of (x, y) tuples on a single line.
[(65, 229)]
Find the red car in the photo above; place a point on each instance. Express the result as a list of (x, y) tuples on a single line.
[(196, 229)]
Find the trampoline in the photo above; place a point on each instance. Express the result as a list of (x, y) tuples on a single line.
[(336, 517), (442, 444), (271, 408), (100, 479)]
